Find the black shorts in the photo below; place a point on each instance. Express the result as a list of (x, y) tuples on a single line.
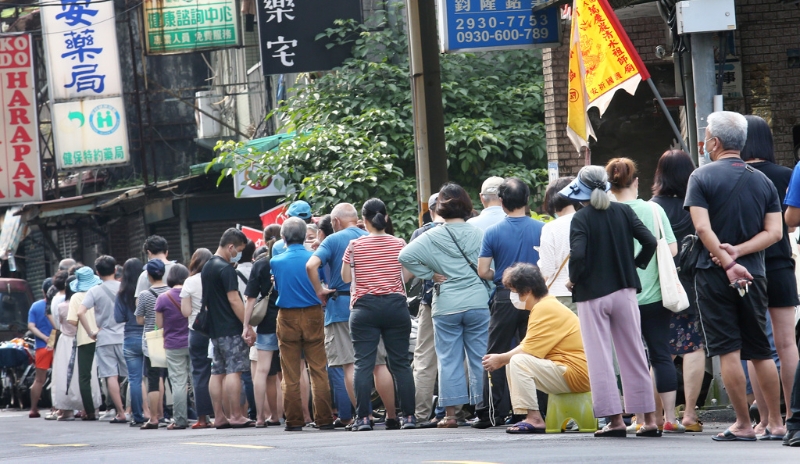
[(732, 322), (782, 288), (153, 374)]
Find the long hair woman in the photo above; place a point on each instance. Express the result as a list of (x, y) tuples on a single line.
[(655, 319), (669, 191), (124, 309), (604, 283), (378, 309), (191, 301)]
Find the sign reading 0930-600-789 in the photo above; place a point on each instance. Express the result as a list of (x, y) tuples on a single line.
[(479, 25)]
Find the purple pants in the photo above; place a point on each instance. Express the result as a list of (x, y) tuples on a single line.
[(616, 317)]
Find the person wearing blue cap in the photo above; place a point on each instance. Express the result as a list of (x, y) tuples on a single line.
[(299, 209)]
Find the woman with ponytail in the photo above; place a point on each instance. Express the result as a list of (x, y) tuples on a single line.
[(604, 284), (378, 309)]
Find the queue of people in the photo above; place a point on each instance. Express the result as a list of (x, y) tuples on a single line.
[(511, 309)]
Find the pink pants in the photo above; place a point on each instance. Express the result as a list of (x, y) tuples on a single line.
[(616, 318)]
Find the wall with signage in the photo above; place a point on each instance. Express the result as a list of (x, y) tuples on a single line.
[(20, 169), (85, 85), (183, 26)]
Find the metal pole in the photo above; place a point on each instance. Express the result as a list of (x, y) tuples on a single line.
[(142, 155), (691, 117), (703, 73), (426, 88), (675, 129)]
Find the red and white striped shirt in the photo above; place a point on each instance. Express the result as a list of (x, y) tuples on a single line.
[(374, 262)]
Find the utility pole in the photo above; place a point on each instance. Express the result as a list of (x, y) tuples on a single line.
[(426, 89), (705, 83)]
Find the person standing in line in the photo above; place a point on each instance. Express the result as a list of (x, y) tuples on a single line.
[(300, 330), (378, 309), (460, 315), (146, 315), (86, 279), (759, 152), (176, 343), (735, 226), (244, 269), (515, 239), (655, 318), (191, 301), (299, 209), (155, 247), (41, 327), (604, 283), (492, 212), (226, 327), (669, 191), (124, 313), (109, 335), (554, 248)]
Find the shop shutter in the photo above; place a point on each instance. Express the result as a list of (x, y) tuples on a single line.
[(207, 234)]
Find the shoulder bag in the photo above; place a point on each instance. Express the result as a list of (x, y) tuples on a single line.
[(673, 295), (260, 309), (471, 264), (155, 344), (555, 277)]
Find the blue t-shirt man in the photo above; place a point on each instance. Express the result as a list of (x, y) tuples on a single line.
[(291, 279), (330, 253), (37, 316), (793, 192), (512, 240)]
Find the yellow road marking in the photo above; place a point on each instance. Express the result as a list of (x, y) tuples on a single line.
[(45, 445), (461, 462), (224, 445)]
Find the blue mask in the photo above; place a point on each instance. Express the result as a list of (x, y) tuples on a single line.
[(236, 258)]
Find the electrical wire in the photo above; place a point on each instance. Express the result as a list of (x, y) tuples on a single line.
[(113, 18)]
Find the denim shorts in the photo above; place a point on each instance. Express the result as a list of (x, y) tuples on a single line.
[(267, 342)]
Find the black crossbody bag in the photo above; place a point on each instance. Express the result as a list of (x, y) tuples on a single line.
[(471, 264)]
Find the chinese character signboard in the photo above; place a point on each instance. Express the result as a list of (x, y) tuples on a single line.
[(85, 85), (288, 28), (479, 25), (183, 26), (20, 170)]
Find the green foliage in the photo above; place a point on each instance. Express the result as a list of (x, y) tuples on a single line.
[(356, 124)]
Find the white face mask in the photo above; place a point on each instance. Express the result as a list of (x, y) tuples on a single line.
[(519, 304), (235, 259)]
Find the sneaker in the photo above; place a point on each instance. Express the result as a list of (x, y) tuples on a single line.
[(361, 425), (792, 438), (674, 427), (410, 422), (572, 426), (392, 424), (109, 415), (164, 422)]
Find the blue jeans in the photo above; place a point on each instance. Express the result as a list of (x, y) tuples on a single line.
[(340, 397), (134, 359), (454, 336), (201, 372)]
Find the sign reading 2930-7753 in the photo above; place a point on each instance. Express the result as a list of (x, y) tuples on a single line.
[(479, 25), (85, 85)]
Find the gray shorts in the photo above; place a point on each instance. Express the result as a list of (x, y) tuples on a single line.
[(110, 361), (231, 355), (339, 346)]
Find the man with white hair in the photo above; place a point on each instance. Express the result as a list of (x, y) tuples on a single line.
[(492, 205), (737, 214)]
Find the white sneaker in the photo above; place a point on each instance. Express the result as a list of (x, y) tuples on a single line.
[(109, 415)]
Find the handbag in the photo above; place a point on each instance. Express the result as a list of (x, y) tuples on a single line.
[(52, 340), (260, 309), (155, 348), (673, 295), (471, 264)]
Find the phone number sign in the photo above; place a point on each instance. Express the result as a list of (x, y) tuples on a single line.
[(480, 25)]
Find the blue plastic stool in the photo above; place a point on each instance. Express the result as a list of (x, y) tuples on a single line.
[(576, 406)]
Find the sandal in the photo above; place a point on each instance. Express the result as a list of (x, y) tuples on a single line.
[(201, 425), (173, 426), (650, 433), (607, 432), (696, 427), (524, 427), (447, 422), (149, 426)]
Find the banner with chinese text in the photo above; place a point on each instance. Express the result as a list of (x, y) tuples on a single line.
[(85, 84), (183, 26), (602, 61), (20, 168), (288, 29)]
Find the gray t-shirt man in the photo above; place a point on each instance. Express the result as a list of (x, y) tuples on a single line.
[(102, 298)]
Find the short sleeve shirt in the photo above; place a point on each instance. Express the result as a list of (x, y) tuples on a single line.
[(374, 262), (512, 240), (37, 316), (291, 279), (143, 283), (81, 338), (736, 217), (102, 298), (193, 288), (176, 330), (793, 192), (330, 253), (146, 308), (651, 284), (219, 278)]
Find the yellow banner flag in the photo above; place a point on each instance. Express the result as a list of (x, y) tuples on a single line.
[(607, 62)]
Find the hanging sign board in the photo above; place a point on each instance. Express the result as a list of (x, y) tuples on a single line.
[(84, 82), (184, 26), (481, 25), (288, 29), (20, 169)]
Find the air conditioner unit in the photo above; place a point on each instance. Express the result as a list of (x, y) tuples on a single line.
[(705, 16), (207, 127)]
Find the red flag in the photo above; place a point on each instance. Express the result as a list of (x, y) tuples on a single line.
[(275, 215)]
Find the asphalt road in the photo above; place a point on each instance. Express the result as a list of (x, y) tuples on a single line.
[(36, 440)]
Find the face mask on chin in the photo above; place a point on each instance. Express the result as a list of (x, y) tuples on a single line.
[(519, 304)]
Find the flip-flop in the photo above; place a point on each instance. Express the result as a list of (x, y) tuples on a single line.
[(523, 427), (270, 423), (769, 436), (654, 433), (223, 426), (299, 428), (606, 432), (198, 425), (261, 425), (727, 435), (243, 426), (118, 421)]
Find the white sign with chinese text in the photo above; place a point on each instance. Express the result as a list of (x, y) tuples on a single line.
[(20, 170), (85, 84)]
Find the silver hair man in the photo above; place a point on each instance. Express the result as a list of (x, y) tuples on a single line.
[(729, 127), (293, 231)]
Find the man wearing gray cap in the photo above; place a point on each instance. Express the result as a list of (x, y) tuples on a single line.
[(492, 205)]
